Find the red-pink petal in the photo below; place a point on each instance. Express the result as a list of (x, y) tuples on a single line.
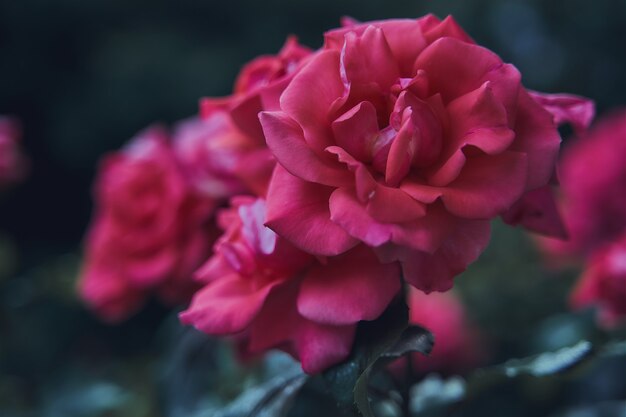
[(284, 138), (487, 186), (536, 135), (227, 305), (537, 212), (311, 94), (436, 272), (279, 325), (567, 108), (356, 130), (367, 60), (426, 233), (299, 212), (352, 287), (454, 67)]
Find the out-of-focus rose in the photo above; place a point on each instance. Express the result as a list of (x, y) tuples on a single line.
[(407, 136), (592, 173), (219, 159), (224, 151), (13, 163), (150, 230), (457, 341), (603, 284), (271, 295)]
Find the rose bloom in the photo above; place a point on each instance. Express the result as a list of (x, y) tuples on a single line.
[(603, 284), (13, 163), (457, 340), (269, 294), (150, 230), (592, 173), (223, 151), (408, 137)]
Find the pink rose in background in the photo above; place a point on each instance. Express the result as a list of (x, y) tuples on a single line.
[(603, 284), (219, 159), (408, 137), (457, 341), (592, 173), (13, 163), (150, 230), (224, 151), (269, 294)]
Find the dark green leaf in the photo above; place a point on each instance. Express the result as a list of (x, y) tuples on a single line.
[(270, 399), (348, 381), (549, 363), (434, 393), (413, 339)]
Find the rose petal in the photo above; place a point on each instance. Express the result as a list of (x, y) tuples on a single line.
[(435, 272), (537, 212), (350, 288), (284, 138), (311, 94), (426, 233), (366, 59), (536, 135), (454, 67), (567, 108), (298, 211), (488, 186), (279, 324), (356, 130), (227, 305)]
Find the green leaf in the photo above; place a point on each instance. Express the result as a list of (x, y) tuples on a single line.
[(270, 399), (413, 339), (549, 363), (434, 393), (386, 338)]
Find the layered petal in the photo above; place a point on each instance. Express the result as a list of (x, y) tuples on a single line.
[(299, 212), (350, 288)]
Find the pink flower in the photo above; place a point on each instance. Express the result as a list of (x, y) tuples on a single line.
[(219, 160), (13, 164), (457, 341), (592, 173), (603, 284), (224, 151), (150, 230), (406, 136), (269, 294)]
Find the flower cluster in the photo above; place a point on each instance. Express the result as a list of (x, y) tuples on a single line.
[(593, 177), (375, 161), (13, 163)]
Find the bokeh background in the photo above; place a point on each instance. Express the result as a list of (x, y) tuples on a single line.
[(85, 76)]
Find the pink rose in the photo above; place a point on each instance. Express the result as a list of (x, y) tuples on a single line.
[(603, 284), (457, 341), (269, 294), (406, 136), (224, 151), (13, 163), (592, 173), (150, 230), (219, 160)]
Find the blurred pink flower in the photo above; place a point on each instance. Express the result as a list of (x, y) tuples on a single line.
[(224, 151), (603, 283), (13, 164), (150, 230), (458, 346), (592, 173)]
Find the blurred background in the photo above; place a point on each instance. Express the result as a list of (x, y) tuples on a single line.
[(84, 76)]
